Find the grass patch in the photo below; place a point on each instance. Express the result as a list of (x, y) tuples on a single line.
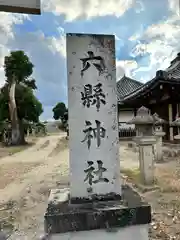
[(135, 178), (172, 186), (132, 174), (16, 149), (10, 150), (168, 178)]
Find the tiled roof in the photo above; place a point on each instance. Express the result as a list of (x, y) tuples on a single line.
[(171, 74), (125, 86), (173, 71), (138, 90)]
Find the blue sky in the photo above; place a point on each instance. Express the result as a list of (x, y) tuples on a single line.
[(147, 39)]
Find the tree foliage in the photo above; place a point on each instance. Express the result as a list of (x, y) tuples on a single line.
[(59, 110), (17, 101), (28, 106), (18, 64)]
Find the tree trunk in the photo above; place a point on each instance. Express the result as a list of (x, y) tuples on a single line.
[(22, 133), (13, 115)]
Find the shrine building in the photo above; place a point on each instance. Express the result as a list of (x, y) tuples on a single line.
[(161, 95)]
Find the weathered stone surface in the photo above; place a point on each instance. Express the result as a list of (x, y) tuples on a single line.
[(146, 160), (44, 237), (127, 233), (176, 123), (143, 117), (157, 120), (2, 236), (96, 197), (66, 217), (93, 124)]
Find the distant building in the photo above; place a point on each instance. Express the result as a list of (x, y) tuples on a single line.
[(161, 95), (52, 126)]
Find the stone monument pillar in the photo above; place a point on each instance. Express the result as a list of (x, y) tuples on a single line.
[(145, 140), (96, 205), (93, 124), (159, 134)]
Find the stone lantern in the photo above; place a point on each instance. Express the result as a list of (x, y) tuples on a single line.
[(176, 123), (158, 123), (144, 123), (159, 134)]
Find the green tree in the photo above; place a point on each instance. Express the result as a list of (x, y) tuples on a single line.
[(59, 111), (18, 70), (28, 107)]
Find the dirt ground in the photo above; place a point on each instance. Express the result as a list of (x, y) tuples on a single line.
[(26, 178), (8, 151), (164, 197)]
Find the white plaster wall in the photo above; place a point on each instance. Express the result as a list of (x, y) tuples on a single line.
[(21, 3), (77, 48), (139, 232), (126, 116)]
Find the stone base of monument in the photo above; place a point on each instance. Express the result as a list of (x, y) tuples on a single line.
[(127, 218)]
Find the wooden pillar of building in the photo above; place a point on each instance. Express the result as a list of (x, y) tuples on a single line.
[(170, 115), (135, 111), (177, 114)]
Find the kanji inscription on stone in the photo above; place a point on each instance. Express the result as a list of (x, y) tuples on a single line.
[(93, 123)]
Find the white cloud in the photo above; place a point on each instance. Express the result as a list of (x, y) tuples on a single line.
[(139, 6), (59, 44), (139, 50), (7, 21), (46, 53), (48, 56), (174, 6), (163, 41), (74, 9), (125, 67), (162, 46)]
